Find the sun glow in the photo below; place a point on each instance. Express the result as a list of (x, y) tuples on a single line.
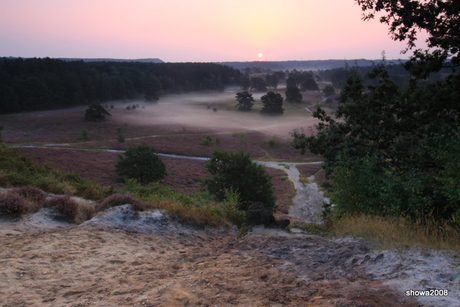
[(260, 55)]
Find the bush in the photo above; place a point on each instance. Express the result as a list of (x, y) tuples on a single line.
[(121, 199), (13, 203), (237, 172), (66, 206), (141, 163), (84, 134), (30, 193), (272, 142), (206, 141)]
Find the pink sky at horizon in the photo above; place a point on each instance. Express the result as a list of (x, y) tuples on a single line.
[(193, 31)]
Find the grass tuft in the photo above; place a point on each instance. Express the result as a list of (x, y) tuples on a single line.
[(121, 199)]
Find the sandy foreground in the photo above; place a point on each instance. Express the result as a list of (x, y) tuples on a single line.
[(124, 258)]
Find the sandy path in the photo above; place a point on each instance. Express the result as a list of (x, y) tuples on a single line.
[(308, 200)]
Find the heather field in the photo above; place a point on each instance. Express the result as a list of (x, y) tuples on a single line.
[(177, 124)]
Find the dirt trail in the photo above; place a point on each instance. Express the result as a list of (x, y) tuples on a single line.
[(308, 199)]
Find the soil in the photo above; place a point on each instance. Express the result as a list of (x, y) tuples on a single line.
[(156, 261), (129, 258)]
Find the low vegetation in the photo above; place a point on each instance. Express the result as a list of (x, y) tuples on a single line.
[(17, 170)]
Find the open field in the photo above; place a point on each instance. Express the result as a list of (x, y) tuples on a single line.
[(177, 124)]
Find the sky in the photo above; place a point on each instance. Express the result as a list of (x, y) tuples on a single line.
[(193, 30)]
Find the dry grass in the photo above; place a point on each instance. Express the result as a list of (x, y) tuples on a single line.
[(387, 232)]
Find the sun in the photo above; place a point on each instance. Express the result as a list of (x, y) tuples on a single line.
[(260, 55)]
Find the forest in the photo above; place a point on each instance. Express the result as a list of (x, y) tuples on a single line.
[(44, 83)]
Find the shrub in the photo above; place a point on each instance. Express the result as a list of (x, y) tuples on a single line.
[(141, 163), (237, 172), (206, 141), (84, 134), (31, 193), (66, 206), (13, 203), (121, 199), (231, 209), (272, 142)]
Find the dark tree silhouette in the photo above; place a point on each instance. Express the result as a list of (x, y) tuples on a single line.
[(273, 103)]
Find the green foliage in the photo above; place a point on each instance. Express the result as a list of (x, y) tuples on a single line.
[(293, 94), (272, 80), (17, 170), (153, 88), (393, 150), (141, 163), (245, 101), (121, 138), (237, 172), (96, 112), (231, 208), (245, 82), (273, 103), (329, 90), (440, 19), (272, 142), (304, 80), (258, 84), (37, 84), (84, 134), (207, 140)]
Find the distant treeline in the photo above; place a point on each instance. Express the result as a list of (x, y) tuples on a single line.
[(44, 83)]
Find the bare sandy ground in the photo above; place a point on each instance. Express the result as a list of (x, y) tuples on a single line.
[(124, 258)]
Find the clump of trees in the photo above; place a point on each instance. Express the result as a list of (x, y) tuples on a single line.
[(44, 83), (141, 163), (293, 94), (329, 90), (304, 80), (96, 112), (392, 149), (273, 103), (258, 84), (236, 172)]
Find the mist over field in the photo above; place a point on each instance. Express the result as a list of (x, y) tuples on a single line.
[(214, 112)]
